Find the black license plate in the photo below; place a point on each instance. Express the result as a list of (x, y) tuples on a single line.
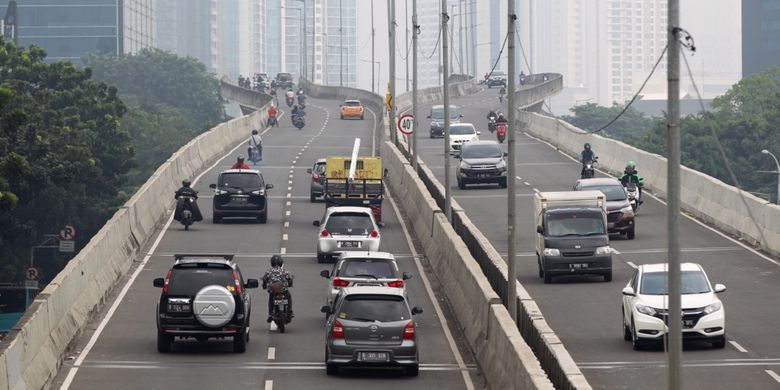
[(238, 199), (349, 244), (689, 323), (178, 308), (578, 265), (373, 356), (280, 301)]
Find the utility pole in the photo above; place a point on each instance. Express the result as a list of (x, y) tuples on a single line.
[(373, 33), (446, 92), (466, 26), (673, 190), (452, 37), (305, 44), (341, 46), (511, 277), (415, 32), (406, 41), (391, 29), (460, 36)]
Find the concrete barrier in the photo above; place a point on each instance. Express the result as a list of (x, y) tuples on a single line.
[(32, 352), (708, 199)]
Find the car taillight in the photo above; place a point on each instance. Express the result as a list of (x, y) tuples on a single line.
[(340, 283), (324, 233), (338, 330), (167, 280), (237, 281), (409, 331), (396, 283), (374, 234)]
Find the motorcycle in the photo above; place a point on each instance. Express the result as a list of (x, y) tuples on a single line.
[(301, 100), (634, 197), (281, 305), (501, 132), (187, 218), (271, 122), (589, 169), (298, 121), (289, 101), (492, 124)]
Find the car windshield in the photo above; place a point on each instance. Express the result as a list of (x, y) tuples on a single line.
[(462, 130), (374, 309), (284, 77), (499, 73), (356, 224), (612, 193), (244, 181), (574, 223), (352, 104), (655, 283), (437, 113), (481, 151), (380, 268), (188, 281)]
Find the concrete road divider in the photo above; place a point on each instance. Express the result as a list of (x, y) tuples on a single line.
[(33, 351)]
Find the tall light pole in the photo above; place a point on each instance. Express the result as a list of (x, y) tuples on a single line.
[(415, 32), (446, 86), (673, 190), (391, 31), (341, 44), (373, 33), (511, 277), (778, 172), (460, 35), (406, 41)]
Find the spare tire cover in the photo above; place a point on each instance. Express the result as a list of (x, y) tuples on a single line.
[(214, 306)]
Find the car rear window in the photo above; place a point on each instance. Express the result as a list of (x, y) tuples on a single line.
[(189, 280), (385, 308), (349, 223), (352, 104), (438, 113), (655, 283), (462, 130), (613, 193), (244, 181), (482, 151), (381, 269), (574, 223)]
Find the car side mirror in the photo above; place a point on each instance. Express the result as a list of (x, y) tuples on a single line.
[(326, 309), (325, 274), (417, 310), (539, 229), (381, 224), (506, 154), (316, 223), (629, 291), (460, 116), (212, 185), (407, 275), (429, 117), (269, 186), (252, 283), (719, 288), (308, 170), (159, 282)]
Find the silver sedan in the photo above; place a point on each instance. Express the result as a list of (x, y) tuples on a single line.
[(346, 228)]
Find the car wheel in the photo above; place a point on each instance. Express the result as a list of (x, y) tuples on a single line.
[(432, 135), (631, 232), (341, 117), (547, 278), (312, 197), (263, 218), (608, 276), (239, 342), (626, 328), (636, 343), (539, 263), (215, 219), (164, 342), (412, 370), (720, 343), (361, 117), (461, 184), (321, 258), (502, 183), (331, 368)]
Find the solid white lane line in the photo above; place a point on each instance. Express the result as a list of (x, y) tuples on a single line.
[(773, 375), (269, 384), (271, 353), (434, 301), (110, 313), (737, 346)]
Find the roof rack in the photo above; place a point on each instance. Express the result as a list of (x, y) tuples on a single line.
[(180, 256)]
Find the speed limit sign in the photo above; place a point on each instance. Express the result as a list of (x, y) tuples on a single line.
[(406, 124)]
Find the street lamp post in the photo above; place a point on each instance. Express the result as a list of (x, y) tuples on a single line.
[(777, 164)]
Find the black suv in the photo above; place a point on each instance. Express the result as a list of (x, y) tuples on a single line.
[(203, 296), (284, 80), (241, 193), (481, 162)]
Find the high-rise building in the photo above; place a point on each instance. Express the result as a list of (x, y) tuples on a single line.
[(341, 40), (760, 35), (71, 29), (184, 27)]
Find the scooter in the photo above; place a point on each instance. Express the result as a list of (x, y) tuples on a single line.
[(290, 101), (272, 122), (501, 132), (634, 197), (589, 170), (186, 212), (492, 124), (281, 308), (298, 121)]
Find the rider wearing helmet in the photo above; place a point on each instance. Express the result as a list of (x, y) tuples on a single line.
[(587, 155), (186, 191), (277, 273), (239, 164), (630, 175)]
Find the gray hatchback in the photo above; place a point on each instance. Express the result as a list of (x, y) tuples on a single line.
[(371, 327)]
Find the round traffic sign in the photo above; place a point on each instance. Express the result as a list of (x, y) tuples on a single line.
[(32, 273), (406, 124), (68, 233)]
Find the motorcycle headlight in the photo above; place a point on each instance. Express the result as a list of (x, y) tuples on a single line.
[(552, 252), (603, 250), (627, 210), (645, 309), (713, 307)]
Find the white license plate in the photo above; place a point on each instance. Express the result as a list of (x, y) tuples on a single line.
[(349, 244), (280, 301), (238, 199), (373, 356), (578, 265)]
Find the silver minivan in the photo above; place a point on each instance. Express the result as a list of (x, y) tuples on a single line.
[(371, 327)]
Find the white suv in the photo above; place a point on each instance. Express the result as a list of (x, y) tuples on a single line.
[(645, 306), (461, 133), (346, 228)]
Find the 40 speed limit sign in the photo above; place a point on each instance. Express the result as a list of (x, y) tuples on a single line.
[(406, 124)]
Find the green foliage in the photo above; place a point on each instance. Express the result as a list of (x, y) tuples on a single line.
[(630, 127), (171, 100), (63, 154)]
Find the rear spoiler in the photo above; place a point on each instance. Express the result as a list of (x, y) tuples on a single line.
[(180, 256)]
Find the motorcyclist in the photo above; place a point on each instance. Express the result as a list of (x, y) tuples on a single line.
[(522, 78), (492, 114), (187, 191), (587, 155), (239, 164), (298, 110), (255, 147), (301, 99), (300, 91), (630, 175), (501, 119), (277, 273), (272, 113), (289, 94)]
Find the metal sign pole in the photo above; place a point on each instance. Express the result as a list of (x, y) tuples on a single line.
[(446, 84), (511, 297), (415, 28)]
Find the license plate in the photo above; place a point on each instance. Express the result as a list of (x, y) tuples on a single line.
[(578, 265), (173, 308), (373, 356), (689, 323), (238, 199), (349, 244), (280, 301)]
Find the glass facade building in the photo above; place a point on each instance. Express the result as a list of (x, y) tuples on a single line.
[(760, 35)]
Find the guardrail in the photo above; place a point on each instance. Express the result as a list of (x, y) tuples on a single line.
[(34, 349), (707, 198)]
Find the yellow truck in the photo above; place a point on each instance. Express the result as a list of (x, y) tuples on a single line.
[(364, 188)]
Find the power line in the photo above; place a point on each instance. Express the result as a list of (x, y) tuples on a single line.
[(500, 52), (434, 47)]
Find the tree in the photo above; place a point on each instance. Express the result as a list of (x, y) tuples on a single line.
[(629, 127), (63, 154)]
